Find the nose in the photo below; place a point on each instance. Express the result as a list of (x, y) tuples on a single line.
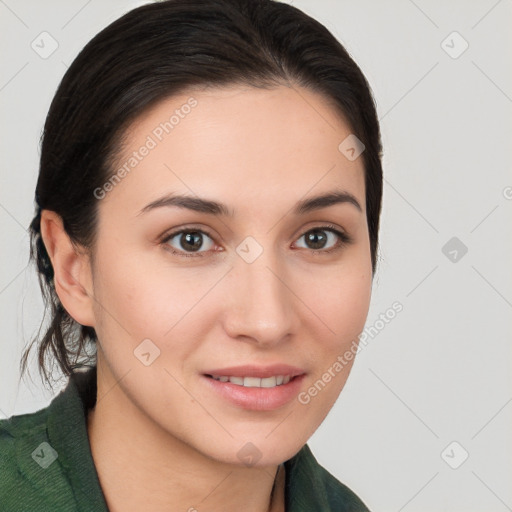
[(261, 306)]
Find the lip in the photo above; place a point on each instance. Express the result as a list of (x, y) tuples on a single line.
[(251, 370), (254, 398)]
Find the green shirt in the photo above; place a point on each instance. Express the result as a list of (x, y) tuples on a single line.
[(46, 463)]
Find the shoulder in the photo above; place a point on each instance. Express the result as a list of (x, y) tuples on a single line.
[(31, 476), (19, 440), (311, 487), (340, 496), (20, 431), (22, 424)]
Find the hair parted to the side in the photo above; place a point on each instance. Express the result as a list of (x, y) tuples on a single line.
[(147, 55)]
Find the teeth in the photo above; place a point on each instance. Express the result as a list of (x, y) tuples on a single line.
[(268, 382), (255, 382), (252, 382)]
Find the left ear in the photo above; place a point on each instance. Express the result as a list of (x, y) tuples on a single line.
[(71, 268)]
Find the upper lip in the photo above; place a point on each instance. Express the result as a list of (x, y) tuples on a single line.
[(251, 370)]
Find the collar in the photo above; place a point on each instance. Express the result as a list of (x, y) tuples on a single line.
[(305, 479)]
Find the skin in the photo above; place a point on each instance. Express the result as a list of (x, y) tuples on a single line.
[(159, 427)]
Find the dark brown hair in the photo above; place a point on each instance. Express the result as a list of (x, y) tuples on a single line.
[(152, 53)]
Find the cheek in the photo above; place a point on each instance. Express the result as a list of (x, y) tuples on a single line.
[(340, 300), (341, 305), (139, 296), (351, 309), (126, 294)]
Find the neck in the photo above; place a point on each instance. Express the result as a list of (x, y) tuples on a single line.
[(131, 453)]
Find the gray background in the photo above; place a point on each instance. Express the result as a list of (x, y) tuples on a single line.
[(439, 372)]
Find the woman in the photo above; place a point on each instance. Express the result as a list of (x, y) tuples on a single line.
[(207, 214)]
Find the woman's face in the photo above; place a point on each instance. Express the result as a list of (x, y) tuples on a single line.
[(255, 283)]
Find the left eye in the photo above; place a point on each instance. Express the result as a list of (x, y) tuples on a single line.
[(318, 238)]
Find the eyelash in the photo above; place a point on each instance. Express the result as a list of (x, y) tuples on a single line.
[(344, 240)]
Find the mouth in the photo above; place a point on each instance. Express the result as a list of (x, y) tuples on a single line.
[(255, 382), (255, 393)]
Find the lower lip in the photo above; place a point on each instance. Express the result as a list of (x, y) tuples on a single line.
[(257, 399)]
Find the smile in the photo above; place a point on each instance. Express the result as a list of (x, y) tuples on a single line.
[(254, 382)]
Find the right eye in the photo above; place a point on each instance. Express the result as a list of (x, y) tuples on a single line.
[(187, 240)]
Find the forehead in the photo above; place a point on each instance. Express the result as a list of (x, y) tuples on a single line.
[(240, 145)]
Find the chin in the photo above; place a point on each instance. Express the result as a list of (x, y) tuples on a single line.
[(258, 452)]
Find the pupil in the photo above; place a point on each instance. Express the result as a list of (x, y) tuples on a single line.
[(193, 240), (313, 236)]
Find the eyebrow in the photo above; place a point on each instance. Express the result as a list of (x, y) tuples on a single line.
[(211, 207)]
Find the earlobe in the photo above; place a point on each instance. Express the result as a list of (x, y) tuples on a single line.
[(71, 267)]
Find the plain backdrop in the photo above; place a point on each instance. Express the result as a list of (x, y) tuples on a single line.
[(424, 421)]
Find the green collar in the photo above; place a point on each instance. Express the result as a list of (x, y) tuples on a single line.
[(308, 486)]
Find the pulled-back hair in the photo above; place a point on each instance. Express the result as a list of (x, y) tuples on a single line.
[(149, 54)]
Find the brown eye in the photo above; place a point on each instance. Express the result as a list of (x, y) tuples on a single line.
[(316, 239), (185, 241), (325, 239)]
